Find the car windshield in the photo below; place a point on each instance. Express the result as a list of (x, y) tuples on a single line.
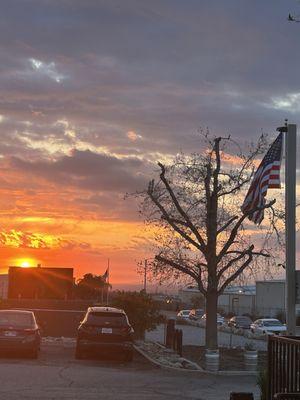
[(106, 318), (15, 319), (272, 322), (243, 319), (185, 312)]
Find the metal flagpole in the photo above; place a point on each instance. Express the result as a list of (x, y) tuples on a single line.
[(290, 227)]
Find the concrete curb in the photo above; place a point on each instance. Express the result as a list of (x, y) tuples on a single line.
[(197, 369), (160, 365)]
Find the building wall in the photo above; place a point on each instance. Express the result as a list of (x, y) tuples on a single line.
[(3, 286), (40, 283), (237, 303), (270, 297)]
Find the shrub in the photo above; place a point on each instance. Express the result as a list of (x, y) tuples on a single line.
[(262, 383), (141, 309)]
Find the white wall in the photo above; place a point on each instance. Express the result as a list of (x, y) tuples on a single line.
[(270, 297)]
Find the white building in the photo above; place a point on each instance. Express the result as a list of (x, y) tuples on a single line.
[(270, 297)]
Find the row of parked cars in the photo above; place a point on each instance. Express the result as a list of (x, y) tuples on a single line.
[(103, 330), (262, 325)]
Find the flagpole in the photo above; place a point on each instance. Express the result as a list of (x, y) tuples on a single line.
[(290, 226)]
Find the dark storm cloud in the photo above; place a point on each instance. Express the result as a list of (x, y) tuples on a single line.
[(161, 69), (87, 170)]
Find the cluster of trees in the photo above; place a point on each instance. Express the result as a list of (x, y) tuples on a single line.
[(91, 287)]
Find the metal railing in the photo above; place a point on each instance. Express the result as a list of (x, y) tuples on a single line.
[(283, 367)]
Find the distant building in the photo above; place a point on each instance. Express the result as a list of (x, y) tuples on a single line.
[(40, 283), (236, 299), (270, 297), (265, 298), (3, 286)]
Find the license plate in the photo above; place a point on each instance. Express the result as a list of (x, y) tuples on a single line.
[(106, 330), (10, 333)]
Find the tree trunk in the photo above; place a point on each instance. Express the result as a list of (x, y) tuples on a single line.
[(211, 331)]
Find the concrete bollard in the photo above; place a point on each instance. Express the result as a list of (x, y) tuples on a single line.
[(212, 360), (250, 358)]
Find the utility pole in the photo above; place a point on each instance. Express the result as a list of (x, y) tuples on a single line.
[(145, 275)]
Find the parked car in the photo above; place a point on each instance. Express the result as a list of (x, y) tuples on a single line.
[(183, 315), (105, 330), (220, 320), (196, 314), (19, 331), (268, 325), (242, 322)]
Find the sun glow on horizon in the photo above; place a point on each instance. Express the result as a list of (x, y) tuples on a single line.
[(25, 263)]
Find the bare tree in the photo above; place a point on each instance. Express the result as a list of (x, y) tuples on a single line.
[(202, 233)]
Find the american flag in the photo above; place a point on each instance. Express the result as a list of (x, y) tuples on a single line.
[(267, 176)]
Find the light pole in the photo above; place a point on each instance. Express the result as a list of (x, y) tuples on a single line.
[(145, 275)]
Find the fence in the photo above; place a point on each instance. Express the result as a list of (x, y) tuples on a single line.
[(283, 367)]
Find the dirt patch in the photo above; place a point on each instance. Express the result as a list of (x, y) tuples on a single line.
[(230, 359)]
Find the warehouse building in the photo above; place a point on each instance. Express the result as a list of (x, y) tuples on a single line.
[(40, 283)]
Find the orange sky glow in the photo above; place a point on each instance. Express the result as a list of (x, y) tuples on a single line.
[(92, 103)]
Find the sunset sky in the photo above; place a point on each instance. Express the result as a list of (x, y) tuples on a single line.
[(95, 92)]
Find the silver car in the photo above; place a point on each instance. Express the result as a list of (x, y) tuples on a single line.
[(268, 326)]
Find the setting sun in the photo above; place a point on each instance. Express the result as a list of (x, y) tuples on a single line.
[(25, 264)]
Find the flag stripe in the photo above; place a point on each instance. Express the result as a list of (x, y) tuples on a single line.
[(266, 176)]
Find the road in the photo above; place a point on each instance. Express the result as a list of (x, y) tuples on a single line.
[(57, 375), (193, 335)]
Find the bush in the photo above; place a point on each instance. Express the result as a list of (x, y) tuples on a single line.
[(262, 383), (141, 309)]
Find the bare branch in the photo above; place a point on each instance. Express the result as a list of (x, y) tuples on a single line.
[(180, 268), (166, 216), (237, 272), (241, 255), (179, 208), (228, 223), (237, 226)]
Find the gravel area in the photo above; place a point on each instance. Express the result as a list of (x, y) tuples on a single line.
[(165, 357)]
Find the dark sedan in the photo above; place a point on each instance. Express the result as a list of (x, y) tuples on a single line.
[(242, 322), (19, 332), (105, 330)]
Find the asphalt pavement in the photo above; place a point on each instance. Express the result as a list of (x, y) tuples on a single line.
[(194, 335), (57, 375)]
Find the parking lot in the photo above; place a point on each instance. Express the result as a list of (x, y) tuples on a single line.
[(57, 375), (194, 335)]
